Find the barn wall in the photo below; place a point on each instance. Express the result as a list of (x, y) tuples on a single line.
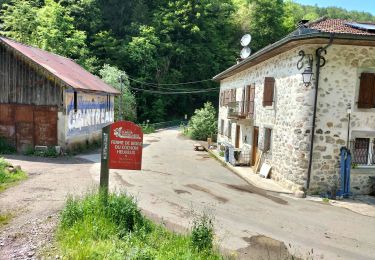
[(94, 111), (22, 83)]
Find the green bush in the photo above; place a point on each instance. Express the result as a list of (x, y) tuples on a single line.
[(148, 129), (203, 123), (202, 233), (5, 147)]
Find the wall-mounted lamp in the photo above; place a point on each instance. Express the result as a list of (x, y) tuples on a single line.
[(308, 72)]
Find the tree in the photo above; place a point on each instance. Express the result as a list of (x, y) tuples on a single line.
[(203, 123), (56, 33), (19, 20), (111, 76), (265, 22)]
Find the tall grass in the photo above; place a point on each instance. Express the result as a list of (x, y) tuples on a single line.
[(94, 228)]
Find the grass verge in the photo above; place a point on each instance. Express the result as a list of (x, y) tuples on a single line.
[(9, 176), (94, 228)]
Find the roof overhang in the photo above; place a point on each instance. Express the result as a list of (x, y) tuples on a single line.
[(292, 41)]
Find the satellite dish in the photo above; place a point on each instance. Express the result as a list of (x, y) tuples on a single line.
[(245, 52), (245, 40)]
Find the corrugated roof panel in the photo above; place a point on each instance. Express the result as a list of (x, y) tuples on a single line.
[(63, 68)]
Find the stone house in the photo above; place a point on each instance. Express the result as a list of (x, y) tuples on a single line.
[(269, 103), (49, 100)]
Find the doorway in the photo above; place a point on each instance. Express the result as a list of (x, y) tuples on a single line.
[(255, 145)]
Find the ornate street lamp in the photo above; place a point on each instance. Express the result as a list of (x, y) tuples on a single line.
[(308, 72)]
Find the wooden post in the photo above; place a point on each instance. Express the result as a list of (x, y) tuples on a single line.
[(104, 169)]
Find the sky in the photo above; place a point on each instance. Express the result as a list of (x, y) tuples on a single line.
[(357, 5)]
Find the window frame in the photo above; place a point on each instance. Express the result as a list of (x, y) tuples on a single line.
[(267, 144)]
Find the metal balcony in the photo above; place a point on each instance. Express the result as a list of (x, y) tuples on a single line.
[(241, 110)]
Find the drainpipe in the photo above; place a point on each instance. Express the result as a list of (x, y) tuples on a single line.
[(319, 58)]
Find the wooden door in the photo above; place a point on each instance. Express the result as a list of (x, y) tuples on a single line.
[(255, 145), (45, 124), (238, 132)]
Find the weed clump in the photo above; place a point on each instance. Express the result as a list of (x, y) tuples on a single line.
[(202, 233)]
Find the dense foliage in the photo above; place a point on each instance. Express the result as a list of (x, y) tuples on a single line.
[(157, 42), (114, 228)]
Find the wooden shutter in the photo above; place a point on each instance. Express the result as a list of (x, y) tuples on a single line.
[(221, 101), (251, 100), (269, 86), (366, 97)]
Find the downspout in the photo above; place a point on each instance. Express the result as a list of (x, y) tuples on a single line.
[(319, 58)]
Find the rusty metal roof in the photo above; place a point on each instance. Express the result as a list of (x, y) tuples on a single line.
[(63, 68)]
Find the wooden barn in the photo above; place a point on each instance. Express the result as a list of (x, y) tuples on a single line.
[(49, 100)]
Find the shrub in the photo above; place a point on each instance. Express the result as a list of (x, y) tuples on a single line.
[(202, 233), (5, 147), (203, 123), (148, 129)]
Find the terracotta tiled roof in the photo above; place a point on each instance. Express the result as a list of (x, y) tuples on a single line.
[(63, 68), (338, 26)]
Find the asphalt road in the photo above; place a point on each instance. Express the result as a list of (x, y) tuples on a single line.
[(177, 183)]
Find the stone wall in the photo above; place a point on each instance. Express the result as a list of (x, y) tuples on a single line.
[(290, 117), (289, 114), (339, 86)]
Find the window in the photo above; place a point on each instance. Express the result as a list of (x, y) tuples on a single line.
[(108, 102), (366, 97), (363, 151), (229, 129), (269, 86), (250, 97), (227, 96), (267, 139), (75, 100), (222, 126)]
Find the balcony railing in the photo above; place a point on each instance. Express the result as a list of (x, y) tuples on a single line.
[(363, 151), (241, 110)]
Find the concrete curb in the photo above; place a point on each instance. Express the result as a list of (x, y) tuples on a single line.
[(238, 173)]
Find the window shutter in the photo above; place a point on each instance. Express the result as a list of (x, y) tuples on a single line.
[(269, 86), (366, 97), (221, 98), (251, 100)]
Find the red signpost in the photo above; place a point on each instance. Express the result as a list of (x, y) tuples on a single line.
[(122, 144)]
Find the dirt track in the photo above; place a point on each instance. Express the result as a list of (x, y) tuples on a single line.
[(35, 203)]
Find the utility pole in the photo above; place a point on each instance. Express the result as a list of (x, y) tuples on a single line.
[(120, 103)]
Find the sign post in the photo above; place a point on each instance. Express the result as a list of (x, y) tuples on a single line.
[(122, 144), (104, 169)]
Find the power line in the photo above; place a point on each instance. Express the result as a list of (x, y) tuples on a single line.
[(173, 92), (168, 84)]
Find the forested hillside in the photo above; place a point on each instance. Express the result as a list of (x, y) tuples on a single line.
[(158, 42)]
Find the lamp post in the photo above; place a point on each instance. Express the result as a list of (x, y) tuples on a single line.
[(348, 112)]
